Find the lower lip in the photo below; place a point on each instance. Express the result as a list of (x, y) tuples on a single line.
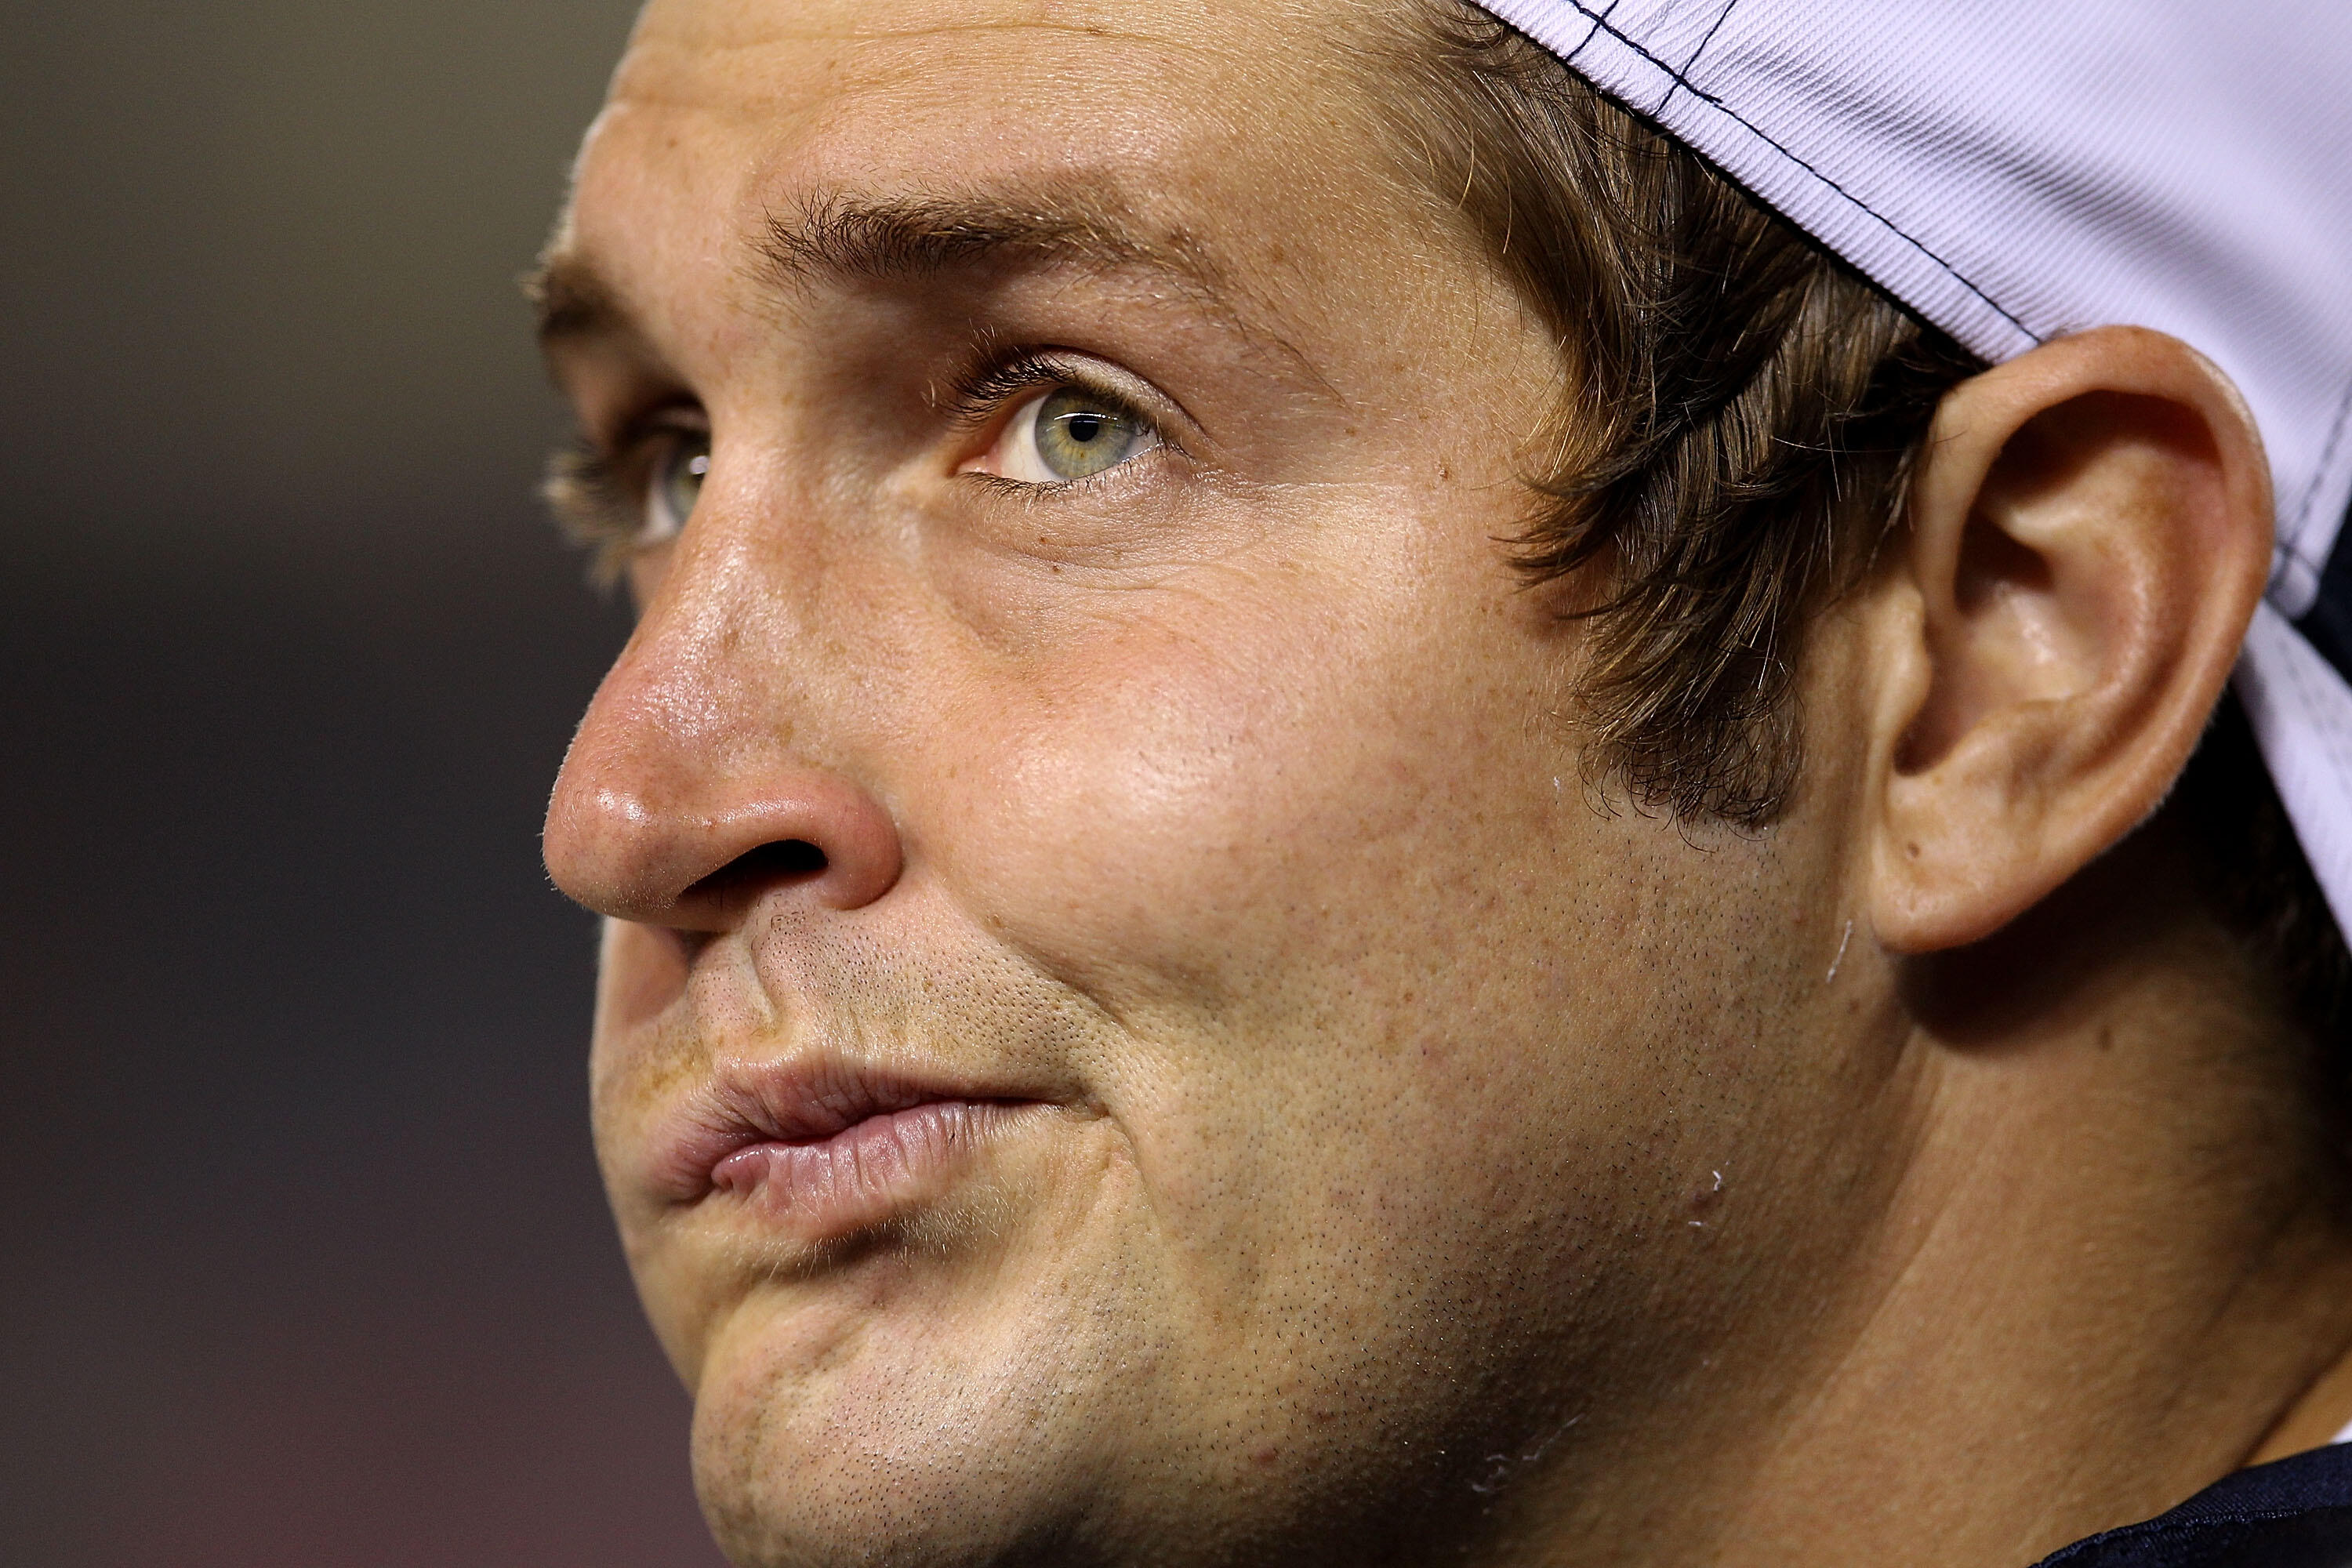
[(863, 1174)]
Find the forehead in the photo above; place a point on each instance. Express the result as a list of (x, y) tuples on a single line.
[(959, 77), (726, 114)]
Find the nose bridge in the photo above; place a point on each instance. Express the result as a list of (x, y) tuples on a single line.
[(710, 666), (699, 778)]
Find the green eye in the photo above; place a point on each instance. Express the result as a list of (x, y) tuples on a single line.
[(676, 485), (1079, 433)]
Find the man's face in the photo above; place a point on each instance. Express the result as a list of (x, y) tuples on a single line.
[(1225, 1088)]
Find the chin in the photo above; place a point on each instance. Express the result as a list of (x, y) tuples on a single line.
[(1049, 1426), (950, 1387), (903, 1427)]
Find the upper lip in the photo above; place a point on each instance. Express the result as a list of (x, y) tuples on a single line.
[(803, 1101)]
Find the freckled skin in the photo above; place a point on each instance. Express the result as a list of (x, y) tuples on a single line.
[(1433, 1148)]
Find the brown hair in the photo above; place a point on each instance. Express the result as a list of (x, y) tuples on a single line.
[(1735, 444)]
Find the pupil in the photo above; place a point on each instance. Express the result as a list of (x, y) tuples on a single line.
[(1084, 427)]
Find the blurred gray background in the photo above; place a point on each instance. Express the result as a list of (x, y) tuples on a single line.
[(302, 1260)]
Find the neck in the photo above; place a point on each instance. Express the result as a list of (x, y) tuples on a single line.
[(2103, 1260), (2113, 1265)]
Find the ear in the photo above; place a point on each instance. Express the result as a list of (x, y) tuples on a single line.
[(2090, 534)]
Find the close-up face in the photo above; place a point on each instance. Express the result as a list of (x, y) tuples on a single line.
[(1129, 1027)]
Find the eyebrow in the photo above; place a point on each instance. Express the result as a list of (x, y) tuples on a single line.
[(571, 298), (857, 239), (844, 238)]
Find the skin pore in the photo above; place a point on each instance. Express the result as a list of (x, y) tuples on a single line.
[(1404, 1154)]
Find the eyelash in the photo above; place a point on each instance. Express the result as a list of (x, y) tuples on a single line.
[(978, 394), (589, 486)]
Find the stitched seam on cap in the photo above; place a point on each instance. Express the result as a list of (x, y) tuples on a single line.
[(1600, 22), (1590, 33), (1682, 77), (2319, 477)]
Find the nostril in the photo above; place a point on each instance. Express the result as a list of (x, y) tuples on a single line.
[(785, 860)]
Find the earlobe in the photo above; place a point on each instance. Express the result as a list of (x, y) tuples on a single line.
[(2090, 533)]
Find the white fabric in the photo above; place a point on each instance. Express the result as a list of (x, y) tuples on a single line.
[(2014, 170), (2302, 714), (2343, 1437)]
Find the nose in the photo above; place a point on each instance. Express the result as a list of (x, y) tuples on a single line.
[(682, 802)]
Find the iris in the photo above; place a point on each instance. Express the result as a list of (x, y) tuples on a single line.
[(1078, 434), (675, 485)]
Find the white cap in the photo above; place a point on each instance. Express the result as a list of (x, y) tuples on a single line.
[(2013, 170)]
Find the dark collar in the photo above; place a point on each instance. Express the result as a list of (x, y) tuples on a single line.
[(2294, 1513)]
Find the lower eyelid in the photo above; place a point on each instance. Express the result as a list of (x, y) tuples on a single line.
[(1135, 470)]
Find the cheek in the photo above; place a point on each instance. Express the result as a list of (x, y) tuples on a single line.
[(1309, 853), (639, 972), (1214, 797)]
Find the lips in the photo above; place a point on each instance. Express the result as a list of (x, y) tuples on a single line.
[(826, 1147)]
